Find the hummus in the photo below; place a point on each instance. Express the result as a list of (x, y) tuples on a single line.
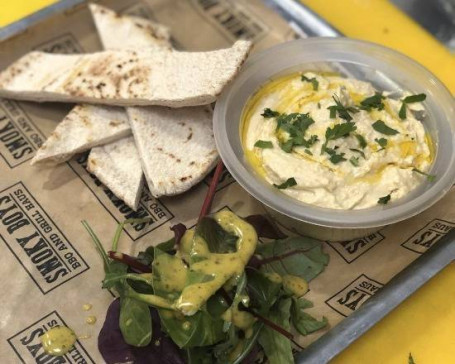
[(336, 142)]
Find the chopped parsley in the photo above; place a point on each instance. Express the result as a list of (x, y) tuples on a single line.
[(354, 161), (382, 128), (410, 100), (361, 140), (382, 142), (336, 132), (373, 102), (312, 80), (343, 111), (319, 105), (335, 158), (411, 359), (263, 144), (307, 151), (288, 183), (295, 125), (358, 151), (269, 113), (430, 177), (385, 200)]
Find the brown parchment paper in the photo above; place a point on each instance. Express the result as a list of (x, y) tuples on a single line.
[(49, 268)]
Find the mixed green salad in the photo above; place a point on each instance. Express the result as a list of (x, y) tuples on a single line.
[(211, 294)]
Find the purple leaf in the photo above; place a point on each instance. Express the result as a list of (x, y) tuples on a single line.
[(114, 349), (179, 230)]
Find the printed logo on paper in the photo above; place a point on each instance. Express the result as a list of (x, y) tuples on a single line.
[(232, 19), (149, 207), (225, 179), (39, 246), (426, 237), (19, 137), (63, 44), (354, 295), (27, 344), (353, 249)]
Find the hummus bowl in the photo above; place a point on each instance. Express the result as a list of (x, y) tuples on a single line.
[(389, 72)]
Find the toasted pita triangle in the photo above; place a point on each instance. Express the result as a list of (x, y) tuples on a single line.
[(124, 77), (86, 126), (122, 32), (176, 146), (118, 166)]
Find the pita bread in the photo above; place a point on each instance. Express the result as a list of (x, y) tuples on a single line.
[(117, 166), (124, 77), (121, 32), (176, 146), (86, 126)]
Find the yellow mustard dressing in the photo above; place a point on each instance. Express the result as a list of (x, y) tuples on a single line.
[(58, 341), (91, 320), (296, 285), (219, 267), (173, 273)]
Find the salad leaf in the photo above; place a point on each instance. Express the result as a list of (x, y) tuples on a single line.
[(302, 321), (262, 291), (218, 240), (277, 348), (199, 355), (114, 349), (299, 256), (135, 322), (265, 227)]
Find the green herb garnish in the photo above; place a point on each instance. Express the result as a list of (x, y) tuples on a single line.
[(430, 177), (269, 113), (358, 151), (382, 142), (313, 81), (307, 151), (411, 359), (263, 144), (335, 157), (373, 102), (354, 161), (410, 100), (361, 140), (382, 128), (295, 125), (343, 111), (385, 200), (338, 131), (286, 184)]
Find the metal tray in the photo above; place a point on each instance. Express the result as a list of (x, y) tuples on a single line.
[(307, 23)]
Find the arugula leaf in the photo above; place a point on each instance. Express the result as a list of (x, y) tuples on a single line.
[(373, 102), (343, 111), (382, 142), (298, 256), (276, 347), (430, 177), (354, 161), (358, 151), (135, 322), (199, 355), (263, 144), (218, 240), (411, 359), (382, 128), (290, 182), (410, 100), (269, 113), (313, 81), (262, 291), (385, 200), (302, 321), (361, 140)]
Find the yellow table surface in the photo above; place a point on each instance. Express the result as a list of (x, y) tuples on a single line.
[(425, 323)]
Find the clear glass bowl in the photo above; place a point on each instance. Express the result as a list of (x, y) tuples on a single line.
[(387, 70)]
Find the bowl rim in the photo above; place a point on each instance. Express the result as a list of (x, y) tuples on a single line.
[(334, 218)]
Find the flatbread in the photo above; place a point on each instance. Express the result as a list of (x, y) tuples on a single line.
[(122, 32), (117, 166), (176, 146), (86, 126), (124, 77)]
